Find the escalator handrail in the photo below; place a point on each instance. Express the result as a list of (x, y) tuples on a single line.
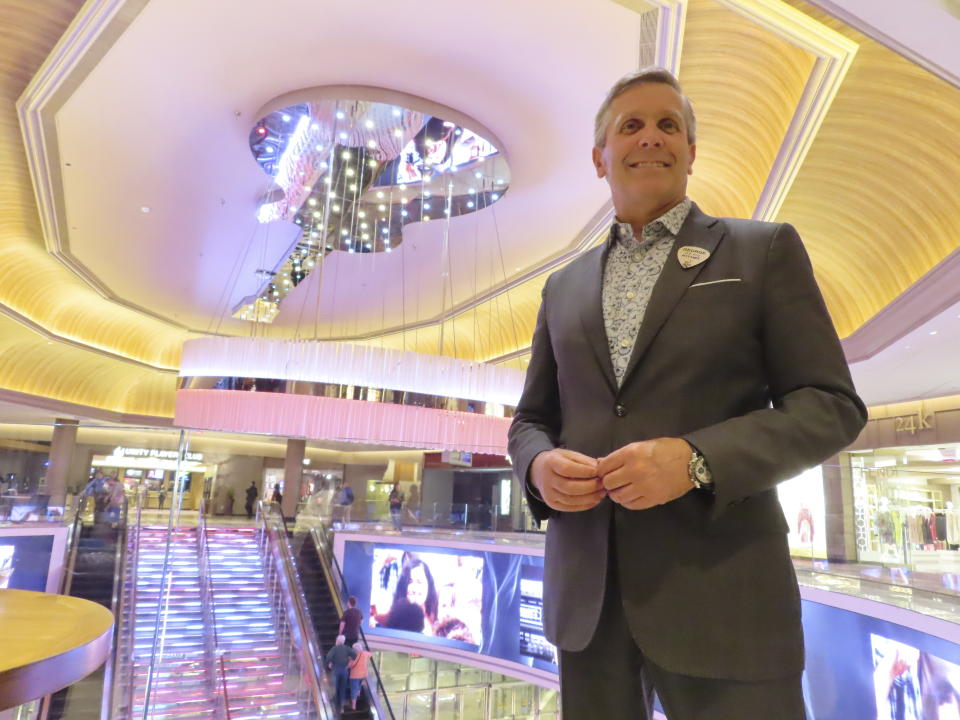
[(116, 607), (322, 544), (309, 648), (74, 538), (211, 645), (128, 571)]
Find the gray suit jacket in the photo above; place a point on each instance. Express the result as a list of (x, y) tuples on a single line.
[(750, 372)]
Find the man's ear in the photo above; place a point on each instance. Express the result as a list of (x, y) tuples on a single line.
[(598, 162), (693, 156)]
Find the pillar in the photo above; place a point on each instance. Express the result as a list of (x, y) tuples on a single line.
[(292, 473), (61, 453)]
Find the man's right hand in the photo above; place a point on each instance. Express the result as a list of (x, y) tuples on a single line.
[(567, 480)]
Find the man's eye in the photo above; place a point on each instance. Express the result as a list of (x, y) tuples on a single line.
[(630, 126), (669, 125)]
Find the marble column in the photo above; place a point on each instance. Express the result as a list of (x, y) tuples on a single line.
[(61, 453), (292, 473)]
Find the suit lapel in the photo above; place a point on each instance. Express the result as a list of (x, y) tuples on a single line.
[(698, 230), (591, 311)]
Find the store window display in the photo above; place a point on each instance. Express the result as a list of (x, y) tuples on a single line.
[(906, 507)]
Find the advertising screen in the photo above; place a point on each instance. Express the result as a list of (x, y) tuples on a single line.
[(912, 683), (439, 147), (470, 600), (803, 506), (864, 660), (25, 562), (437, 594), (533, 644)]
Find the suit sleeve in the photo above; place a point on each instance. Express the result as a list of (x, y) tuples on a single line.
[(815, 411), (536, 422)]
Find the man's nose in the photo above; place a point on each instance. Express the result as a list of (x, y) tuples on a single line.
[(649, 140)]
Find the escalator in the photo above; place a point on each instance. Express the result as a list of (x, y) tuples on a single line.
[(92, 572), (318, 576)]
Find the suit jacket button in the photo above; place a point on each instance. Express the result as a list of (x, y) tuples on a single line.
[(619, 410)]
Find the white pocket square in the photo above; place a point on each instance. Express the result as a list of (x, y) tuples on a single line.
[(715, 282)]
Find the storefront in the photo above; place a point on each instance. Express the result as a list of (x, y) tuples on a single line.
[(153, 471), (905, 480)]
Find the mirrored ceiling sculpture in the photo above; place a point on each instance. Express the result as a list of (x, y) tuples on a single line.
[(351, 174)]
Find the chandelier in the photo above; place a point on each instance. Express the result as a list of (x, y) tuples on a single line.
[(350, 170)]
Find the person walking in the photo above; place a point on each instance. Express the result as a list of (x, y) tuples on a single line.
[(252, 493), (396, 506)]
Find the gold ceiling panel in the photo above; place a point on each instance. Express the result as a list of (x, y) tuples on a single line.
[(30, 364), (874, 199), (745, 83), (38, 27), (32, 284)]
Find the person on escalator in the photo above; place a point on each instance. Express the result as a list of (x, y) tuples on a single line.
[(350, 621), (338, 660), (358, 671)]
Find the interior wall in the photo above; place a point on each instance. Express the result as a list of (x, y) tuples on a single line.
[(233, 479)]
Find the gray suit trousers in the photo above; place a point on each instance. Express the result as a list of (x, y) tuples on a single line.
[(612, 679)]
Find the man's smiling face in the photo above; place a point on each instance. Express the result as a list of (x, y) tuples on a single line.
[(646, 157)]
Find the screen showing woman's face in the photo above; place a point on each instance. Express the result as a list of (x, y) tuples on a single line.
[(417, 588)]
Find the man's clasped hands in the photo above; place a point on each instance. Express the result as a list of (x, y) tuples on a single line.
[(638, 476)]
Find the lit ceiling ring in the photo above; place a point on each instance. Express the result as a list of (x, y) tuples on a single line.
[(338, 390), (335, 419), (351, 167), (348, 364)]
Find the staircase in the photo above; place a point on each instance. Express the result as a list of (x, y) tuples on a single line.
[(253, 661), (227, 652), (183, 679)]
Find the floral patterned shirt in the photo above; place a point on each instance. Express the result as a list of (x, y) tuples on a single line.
[(632, 268)]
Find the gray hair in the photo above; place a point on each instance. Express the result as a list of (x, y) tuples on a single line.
[(646, 75), (358, 646), (341, 639)]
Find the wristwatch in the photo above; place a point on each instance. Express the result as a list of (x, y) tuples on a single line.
[(698, 472)]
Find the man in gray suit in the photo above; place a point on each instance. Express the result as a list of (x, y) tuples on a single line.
[(678, 372)]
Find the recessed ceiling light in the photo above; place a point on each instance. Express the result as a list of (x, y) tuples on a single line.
[(144, 209), (933, 332)]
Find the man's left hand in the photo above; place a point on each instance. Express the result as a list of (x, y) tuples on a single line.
[(644, 474)]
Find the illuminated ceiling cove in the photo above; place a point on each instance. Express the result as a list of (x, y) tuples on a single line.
[(135, 216)]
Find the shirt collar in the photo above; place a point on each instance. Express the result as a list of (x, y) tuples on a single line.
[(670, 222)]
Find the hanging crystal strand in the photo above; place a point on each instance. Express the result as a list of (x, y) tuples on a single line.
[(325, 227), (448, 211)]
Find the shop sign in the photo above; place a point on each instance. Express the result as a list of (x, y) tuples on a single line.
[(121, 451), (918, 421)]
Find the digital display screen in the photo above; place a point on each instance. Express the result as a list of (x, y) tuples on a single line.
[(436, 594), (857, 665), (912, 683), (25, 562), (532, 641), (458, 598), (438, 147)]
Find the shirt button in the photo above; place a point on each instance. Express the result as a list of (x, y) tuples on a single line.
[(624, 343), (619, 410), (630, 296)]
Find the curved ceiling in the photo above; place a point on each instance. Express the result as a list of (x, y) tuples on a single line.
[(156, 192)]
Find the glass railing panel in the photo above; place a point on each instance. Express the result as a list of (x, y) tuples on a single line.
[(447, 706), (474, 704), (420, 706)]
